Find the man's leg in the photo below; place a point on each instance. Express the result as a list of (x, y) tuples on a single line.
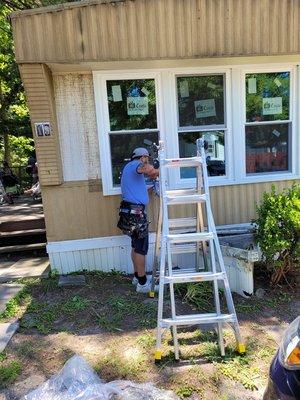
[(138, 263)]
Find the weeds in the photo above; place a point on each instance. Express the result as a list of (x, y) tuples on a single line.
[(9, 371)]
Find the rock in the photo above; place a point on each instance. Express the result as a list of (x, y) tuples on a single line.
[(71, 280), (260, 293)]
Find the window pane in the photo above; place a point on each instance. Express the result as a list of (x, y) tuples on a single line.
[(200, 100), (131, 104), (215, 152), (267, 148), (267, 96), (121, 148)]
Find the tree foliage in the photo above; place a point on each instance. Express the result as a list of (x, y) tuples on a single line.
[(14, 116)]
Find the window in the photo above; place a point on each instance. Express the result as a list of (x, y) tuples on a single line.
[(201, 113), (126, 117), (268, 127)]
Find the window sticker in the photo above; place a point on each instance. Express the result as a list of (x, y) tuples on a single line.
[(205, 108), (137, 106), (117, 93), (272, 105), (145, 91), (277, 82), (211, 85), (184, 89), (276, 133), (252, 85)]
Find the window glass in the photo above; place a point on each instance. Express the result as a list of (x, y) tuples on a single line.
[(267, 148), (215, 152), (267, 96), (122, 146), (200, 100), (131, 104)]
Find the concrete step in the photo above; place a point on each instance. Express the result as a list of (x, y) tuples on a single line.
[(7, 292), (26, 268), (7, 330)]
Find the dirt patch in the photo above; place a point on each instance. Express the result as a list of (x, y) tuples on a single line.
[(113, 327)]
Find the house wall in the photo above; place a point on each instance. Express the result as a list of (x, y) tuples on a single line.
[(156, 29)]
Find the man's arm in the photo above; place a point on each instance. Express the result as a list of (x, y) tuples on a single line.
[(149, 170)]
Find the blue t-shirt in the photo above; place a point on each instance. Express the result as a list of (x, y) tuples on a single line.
[(133, 185)]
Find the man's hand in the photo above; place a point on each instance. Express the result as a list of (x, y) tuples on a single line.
[(149, 170)]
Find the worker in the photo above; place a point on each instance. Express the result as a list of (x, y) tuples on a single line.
[(133, 217)]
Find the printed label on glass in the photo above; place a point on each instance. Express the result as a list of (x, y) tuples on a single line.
[(184, 89), (205, 108), (117, 93), (211, 85), (145, 91), (272, 105), (252, 85), (277, 82), (137, 106)]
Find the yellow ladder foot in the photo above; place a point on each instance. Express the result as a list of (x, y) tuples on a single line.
[(152, 295), (241, 348), (157, 356)]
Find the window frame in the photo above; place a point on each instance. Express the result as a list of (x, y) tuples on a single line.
[(240, 163), (100, 79), (167, 120), (174, 175)]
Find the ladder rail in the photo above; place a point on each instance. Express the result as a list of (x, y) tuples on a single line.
[(174, 243)]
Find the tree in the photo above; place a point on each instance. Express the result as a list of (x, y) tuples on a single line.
[(14, 116)]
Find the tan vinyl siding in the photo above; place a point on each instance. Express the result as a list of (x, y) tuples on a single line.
[(37, 81), (157, 29), (78, 210)]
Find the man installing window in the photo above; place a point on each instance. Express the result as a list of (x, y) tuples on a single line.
[(133, 218)]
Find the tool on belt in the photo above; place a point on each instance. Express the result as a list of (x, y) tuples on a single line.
[(133, 219)]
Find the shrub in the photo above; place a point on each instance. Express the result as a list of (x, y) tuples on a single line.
[(278, 231)]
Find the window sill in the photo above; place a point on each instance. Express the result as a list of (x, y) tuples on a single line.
[(224, 182)]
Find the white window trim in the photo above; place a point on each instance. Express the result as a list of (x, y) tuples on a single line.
[(103, 122), (166, 107), (241, 100)]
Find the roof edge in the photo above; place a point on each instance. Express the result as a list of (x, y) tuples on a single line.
[(61, 7)]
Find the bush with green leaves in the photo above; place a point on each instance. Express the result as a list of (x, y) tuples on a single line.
[(278, 231)]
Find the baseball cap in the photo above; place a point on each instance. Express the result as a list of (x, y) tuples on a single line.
[(139, 152)]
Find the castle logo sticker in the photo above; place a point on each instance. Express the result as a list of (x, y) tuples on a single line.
[(137, 106), (272, 105), (205, 108)]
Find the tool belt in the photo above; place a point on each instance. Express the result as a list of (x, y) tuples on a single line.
[(133, 220)]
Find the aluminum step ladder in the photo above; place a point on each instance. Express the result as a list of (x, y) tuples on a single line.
[(180, 243)]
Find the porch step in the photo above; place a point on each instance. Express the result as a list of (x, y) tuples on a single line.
[(26, 232), (13, 225), (22, 247)]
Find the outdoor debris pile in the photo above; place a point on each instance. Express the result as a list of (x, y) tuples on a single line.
[(78, 381)]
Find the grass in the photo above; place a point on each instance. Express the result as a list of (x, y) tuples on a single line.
[(9, 371), (125, 322)]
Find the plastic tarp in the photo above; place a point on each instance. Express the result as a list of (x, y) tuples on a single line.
[(78, 381)]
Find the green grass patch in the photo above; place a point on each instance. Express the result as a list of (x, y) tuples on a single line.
[(147, 340), (15, 306), (9, 371)]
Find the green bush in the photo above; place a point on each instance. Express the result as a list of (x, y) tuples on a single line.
[(278, 230)]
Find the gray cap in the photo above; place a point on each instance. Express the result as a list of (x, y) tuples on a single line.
[(140, 152)]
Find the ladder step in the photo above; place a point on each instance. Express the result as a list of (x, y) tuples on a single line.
[(182, 162), (209, 318), (183, 248), (185, 199), (182, 223), (179, 277), (190, 237)]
